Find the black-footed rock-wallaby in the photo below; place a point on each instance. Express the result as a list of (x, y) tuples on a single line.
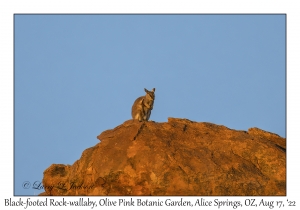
[(142, 106)]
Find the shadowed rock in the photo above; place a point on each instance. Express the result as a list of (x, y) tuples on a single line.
[(179, 157)]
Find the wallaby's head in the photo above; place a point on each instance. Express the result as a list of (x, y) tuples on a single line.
[(150, 94)]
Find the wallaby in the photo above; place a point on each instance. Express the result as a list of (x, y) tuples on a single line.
[(142, 106)]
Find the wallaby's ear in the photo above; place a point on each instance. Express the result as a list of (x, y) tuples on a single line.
[(153, 90)]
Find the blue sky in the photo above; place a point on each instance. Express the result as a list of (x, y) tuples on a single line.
[(78, 75)]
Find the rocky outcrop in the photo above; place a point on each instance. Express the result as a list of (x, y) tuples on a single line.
[(179, 157)]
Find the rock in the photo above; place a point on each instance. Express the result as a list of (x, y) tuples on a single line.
[(179, 157)]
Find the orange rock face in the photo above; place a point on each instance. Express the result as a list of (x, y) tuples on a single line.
[(179, 157)]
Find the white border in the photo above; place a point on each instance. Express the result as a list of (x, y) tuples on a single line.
[(9, 8)]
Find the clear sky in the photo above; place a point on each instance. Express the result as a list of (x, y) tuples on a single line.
[(78, 75)]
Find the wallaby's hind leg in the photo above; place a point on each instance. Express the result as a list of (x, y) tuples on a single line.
[(139, 117), (138, 112)]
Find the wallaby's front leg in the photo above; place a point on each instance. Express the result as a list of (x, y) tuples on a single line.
[(148, 106)]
